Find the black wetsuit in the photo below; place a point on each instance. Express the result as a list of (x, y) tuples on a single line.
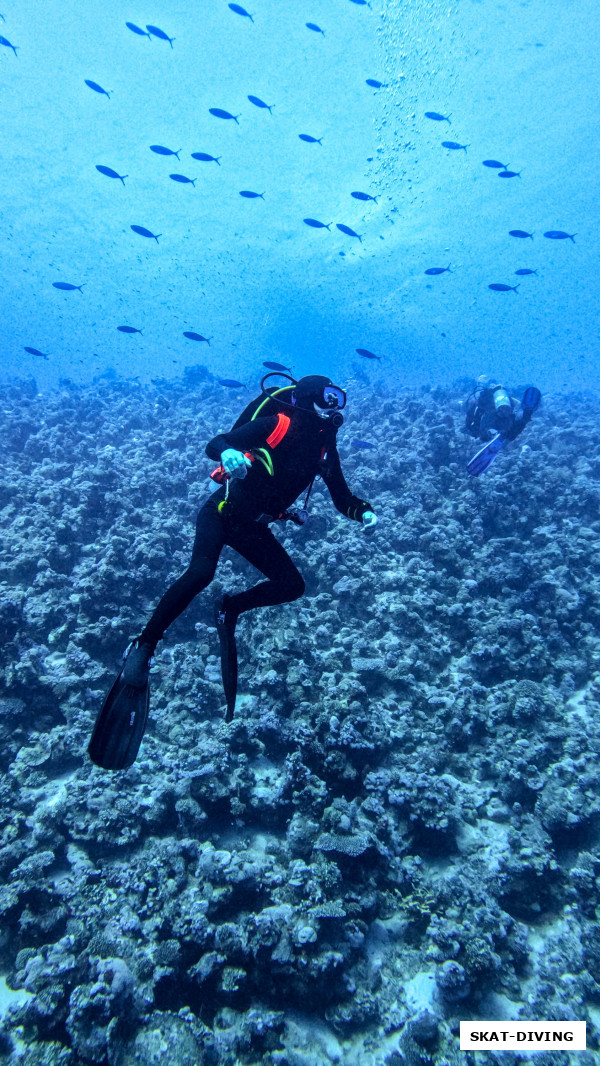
[(307, 448), (484, 420)]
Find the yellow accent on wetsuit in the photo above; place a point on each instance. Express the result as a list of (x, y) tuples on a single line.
[(263, 457)]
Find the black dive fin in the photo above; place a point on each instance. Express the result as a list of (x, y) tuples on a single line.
[(531, 399), (486, 455), (120, 726), (229, 662)]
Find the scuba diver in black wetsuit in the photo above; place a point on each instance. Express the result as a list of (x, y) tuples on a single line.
[(281, 442), (495, 417)]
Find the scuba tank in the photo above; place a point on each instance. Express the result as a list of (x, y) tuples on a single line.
[(503, 408), (501, 398)]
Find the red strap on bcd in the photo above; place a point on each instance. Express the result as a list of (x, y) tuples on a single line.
[(276, 437)]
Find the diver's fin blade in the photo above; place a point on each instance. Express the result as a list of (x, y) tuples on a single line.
[(531, 399), (229, 669), (229, 661), (486, 455), (120, 726)]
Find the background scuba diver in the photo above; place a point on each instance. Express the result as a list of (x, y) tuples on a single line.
[(282, 440), (495, 417)]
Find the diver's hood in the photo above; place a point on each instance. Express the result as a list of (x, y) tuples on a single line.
[(315, 394), (309, 391)]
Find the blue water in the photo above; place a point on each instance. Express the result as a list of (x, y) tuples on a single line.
[(400, 827), (520, 82)]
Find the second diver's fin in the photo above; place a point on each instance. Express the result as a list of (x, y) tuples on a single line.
[(531, 399), (229, 663), (121, 724), (486, 455)]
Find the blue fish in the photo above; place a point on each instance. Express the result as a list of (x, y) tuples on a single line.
[(36, 351), (97, 88), (154, 30), (435, 115), (66, 286), (14, 47), (494, 164), (349, 232), (559, 235), (363, 444), (143, 232), (375, 84), (219, 113), (260, 103), (499, 287), (278, 366), (136, 29), (438, 270), (509, 173), (128, 329), (313, 26), (314, 222), (240, 11), (525, 270), (110, 173), (195, 336), (362, 3), (363, 196), (161, 150), (366, 354), (310, 140), (454, 146), (182, 178), (205, 158), (252, 195), (520, 233), (231, 383)]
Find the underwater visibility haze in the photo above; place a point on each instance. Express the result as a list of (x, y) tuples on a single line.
[(515, 83), (389, 820)]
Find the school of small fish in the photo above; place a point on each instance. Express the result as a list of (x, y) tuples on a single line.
[(503, 171), (151, 31)]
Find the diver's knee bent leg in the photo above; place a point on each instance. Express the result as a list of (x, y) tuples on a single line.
[(177, 598)]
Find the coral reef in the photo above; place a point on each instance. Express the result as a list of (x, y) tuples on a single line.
[(399, 829)]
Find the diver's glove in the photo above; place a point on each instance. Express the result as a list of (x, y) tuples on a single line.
[(235, 463), (369, 521)]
